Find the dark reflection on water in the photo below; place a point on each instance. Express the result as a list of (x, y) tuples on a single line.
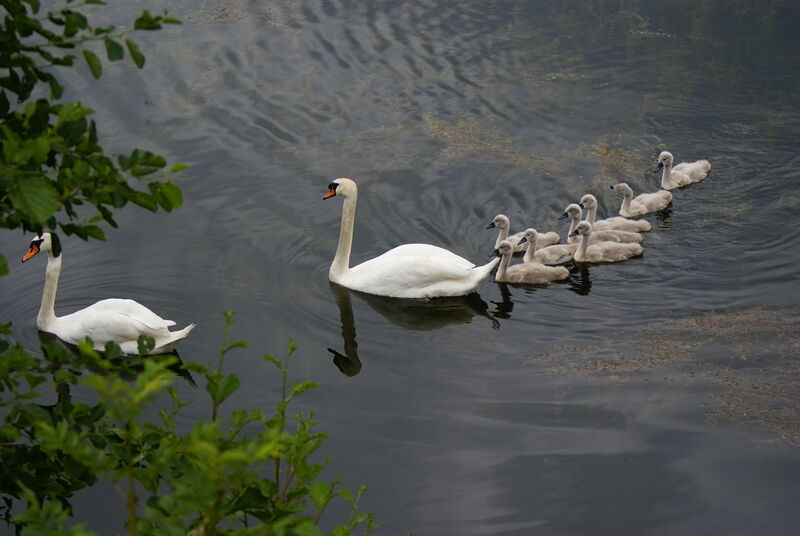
[(580, 282), (587, 409), (417, 315)]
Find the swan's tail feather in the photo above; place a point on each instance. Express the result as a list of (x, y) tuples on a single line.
[(167, 344), (486, 269)]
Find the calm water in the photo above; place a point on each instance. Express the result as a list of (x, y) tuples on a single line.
[(655, 396)]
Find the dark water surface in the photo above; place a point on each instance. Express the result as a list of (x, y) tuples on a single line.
[(655, 396)]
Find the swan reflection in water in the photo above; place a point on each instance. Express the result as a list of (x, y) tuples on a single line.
[(411, 314), (579, 280), (133, 362)]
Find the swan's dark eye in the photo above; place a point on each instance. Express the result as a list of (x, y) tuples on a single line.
[(37, 243)]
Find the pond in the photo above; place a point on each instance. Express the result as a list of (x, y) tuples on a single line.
[(660, 395)]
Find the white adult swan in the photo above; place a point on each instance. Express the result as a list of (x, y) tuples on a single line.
[(528, 272), (555, 254), (573, 212), (682, 174), (589, 202), (407, 271), (603, 251), (642, 203), (501, 222), (113, 320)]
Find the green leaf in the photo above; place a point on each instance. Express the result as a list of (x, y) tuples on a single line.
[(147, 22), (114, 50), (196, 367), (239, 418), (178, 167), (143, 200), (306, 528), (41, 148), (72, 111), (222, 387), (56, 89), (73, 21), (303, 386), (136, 54), (320, 493), (35, 197), (172, 193), (94, 231), (146, 158), (3, 265), (94, 63), (145, 344)]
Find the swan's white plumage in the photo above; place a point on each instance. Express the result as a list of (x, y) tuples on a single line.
[(589, 202), (407, 271), (682, 174), (502, 222), (643, 203), (113, 320), (603, 251), (528, 272)]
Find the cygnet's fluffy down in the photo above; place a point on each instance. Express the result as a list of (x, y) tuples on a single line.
[(555, 254), (604, 251), (528, 272), (682, 174), (501, 221), (641, 204), (589, 202), (573, 212)]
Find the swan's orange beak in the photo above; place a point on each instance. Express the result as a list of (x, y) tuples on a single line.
[(330, 193), (31, 252)]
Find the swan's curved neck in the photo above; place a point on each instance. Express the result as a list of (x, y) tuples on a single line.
[(591, 214), (47, 315), (574, 220), (583, 246), (626, 202), (501, 269), (502, 236), (665, 177), (341, 262), (533, 245)]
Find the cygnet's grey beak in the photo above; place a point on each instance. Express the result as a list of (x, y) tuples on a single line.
[(495, 253), (581, 205), (658, 168), (573, 233), (612, 186), (524, 239), (490, 226), (563, 216)]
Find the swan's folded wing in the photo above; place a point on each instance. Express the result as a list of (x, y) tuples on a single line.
[(406, 272), (132, 309), (115, 320)]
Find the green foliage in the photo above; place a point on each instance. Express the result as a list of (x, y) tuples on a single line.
[(248, 472), (53, 171)]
